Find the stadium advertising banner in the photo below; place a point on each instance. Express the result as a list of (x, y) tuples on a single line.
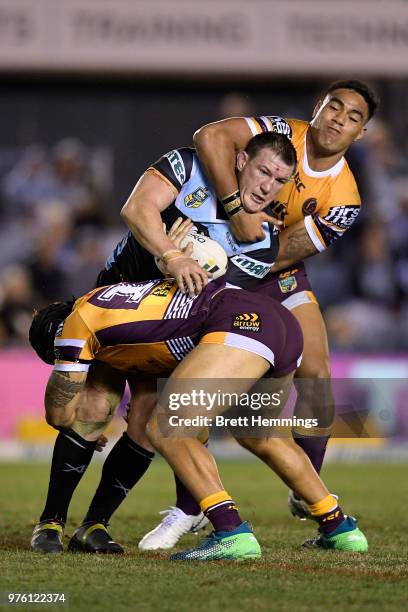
[(217, 37), (370, 394)]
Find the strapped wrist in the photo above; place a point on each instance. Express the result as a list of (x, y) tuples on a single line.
[(171, 254), (232, 204)]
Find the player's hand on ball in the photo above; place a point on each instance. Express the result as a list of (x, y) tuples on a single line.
[(189, 275), (247, 227), (179, 230)]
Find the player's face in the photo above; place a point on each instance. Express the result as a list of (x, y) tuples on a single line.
[(339, 120), (260, 178)]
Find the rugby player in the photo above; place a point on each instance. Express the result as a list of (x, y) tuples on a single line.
[(315, 209), (267, 163), (153, 328)]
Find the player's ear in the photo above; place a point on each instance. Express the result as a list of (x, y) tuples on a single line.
[(361, 134), (242, 158)]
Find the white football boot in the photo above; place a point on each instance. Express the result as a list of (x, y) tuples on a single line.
[(174, 525)]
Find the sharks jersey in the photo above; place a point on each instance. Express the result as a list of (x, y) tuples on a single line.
[(194, 198)]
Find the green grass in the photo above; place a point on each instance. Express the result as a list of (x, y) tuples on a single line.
[(286, 578)]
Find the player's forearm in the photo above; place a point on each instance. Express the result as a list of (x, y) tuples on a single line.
[(294, 246), (217, 151), (62, 397)]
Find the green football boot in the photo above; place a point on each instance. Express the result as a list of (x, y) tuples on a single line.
[(94, 538), (346, 537), (47, 537), (237, 545)]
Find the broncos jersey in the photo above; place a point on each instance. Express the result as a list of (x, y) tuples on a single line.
[(328, 201), (151, 326)]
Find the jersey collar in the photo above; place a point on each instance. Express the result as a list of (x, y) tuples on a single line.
[(333, 171)]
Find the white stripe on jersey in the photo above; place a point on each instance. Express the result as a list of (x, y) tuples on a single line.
[(180, 306), (252, 126), (180, 347), (71, 367), (312, 234), (69, 342)]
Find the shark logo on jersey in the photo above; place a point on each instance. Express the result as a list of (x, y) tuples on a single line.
[(177, 164), (342, 216), (198, 197)]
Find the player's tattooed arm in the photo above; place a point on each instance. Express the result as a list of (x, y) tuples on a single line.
[(62, 397), (295, 245)]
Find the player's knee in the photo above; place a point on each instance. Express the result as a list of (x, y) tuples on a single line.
[(60, 419), (315, 369), (99, 410), (253, 445), (90, 430)]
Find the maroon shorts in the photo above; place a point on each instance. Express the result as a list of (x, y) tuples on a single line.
[(289, 287), (252, 322)]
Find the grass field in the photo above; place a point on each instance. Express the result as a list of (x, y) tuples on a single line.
[(286, 578)]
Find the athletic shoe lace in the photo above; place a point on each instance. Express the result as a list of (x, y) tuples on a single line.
[(172, 517)]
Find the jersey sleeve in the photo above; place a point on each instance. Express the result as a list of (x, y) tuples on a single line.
[(75, 346), (175, 167), (271, 123), (336, 215)]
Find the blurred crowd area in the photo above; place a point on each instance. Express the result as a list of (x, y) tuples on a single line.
[(58, 226)]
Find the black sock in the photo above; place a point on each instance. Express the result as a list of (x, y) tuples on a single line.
[(72, 455), (124, 467)]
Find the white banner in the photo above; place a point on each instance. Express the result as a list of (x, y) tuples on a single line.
[(216, 37)]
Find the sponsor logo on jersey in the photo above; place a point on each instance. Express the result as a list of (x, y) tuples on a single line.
[(253, 267), (279, 210), (287, 284), (342, 216), (177, 164), (298, 183), (198, 197), (163, 289), (248, 321), (309, 206), (280, 126)]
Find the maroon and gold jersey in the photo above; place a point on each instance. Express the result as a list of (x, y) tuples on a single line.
[(151, 326), (328, 201)]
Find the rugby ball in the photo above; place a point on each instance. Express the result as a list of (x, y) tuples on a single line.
[(206, 251)]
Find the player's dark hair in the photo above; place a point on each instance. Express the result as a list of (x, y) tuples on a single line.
[(359, 87), (279, 143), (44, 327)]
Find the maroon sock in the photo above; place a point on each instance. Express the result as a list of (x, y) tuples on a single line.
[(224, 516), (331, 520)]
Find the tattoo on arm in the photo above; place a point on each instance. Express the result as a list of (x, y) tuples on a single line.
[(298, 246), (61, 389)]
